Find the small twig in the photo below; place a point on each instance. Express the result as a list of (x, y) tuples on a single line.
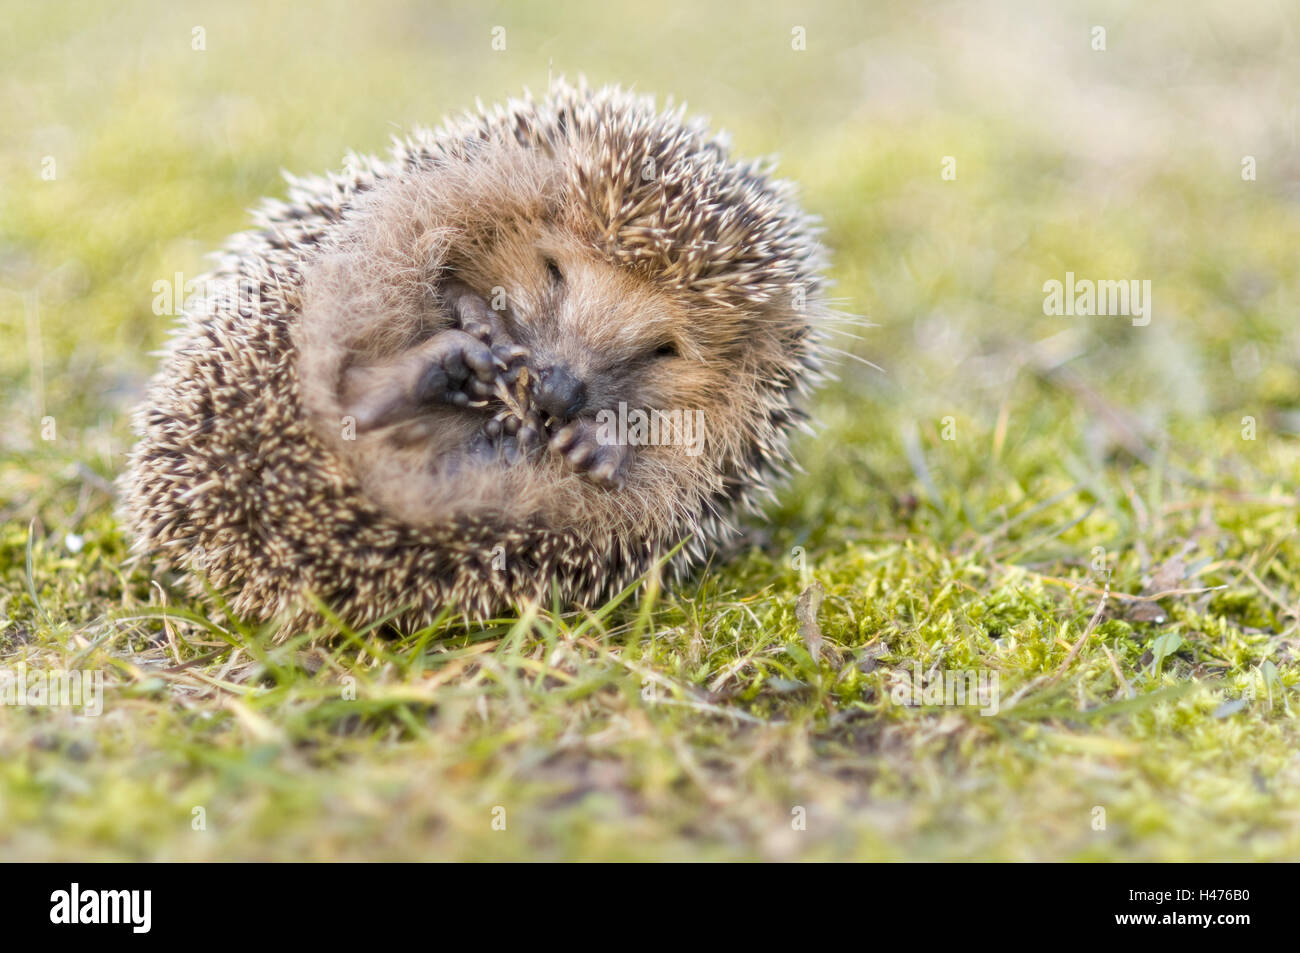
[(1114, 667), (1088, 630), (1122, 596)]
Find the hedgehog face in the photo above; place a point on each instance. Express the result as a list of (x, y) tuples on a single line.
[(599, 336), (623, 390), (626, 356)]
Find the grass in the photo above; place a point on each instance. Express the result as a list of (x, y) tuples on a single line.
[(1077, 505)]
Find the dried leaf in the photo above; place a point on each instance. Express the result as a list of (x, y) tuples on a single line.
[(806, 611), (1168, 575), (1147, 612)]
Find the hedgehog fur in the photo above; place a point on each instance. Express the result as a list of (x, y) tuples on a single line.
[(325, 427)]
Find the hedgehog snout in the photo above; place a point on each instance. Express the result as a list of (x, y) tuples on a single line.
[(560, 393)]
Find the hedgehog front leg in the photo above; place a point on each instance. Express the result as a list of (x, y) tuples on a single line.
[(476, 318), (452, 367), (578, 444), (519, 417)]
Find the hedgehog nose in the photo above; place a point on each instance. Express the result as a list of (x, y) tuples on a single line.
[(559, 392)]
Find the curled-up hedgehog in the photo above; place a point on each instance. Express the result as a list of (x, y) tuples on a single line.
[(530, 354)]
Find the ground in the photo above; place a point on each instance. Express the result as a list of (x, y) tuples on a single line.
[(1100, 511)]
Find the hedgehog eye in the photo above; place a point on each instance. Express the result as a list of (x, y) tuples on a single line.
[(553, 271)]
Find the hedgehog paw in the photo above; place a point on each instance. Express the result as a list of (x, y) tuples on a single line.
[(480, 321), (452, 367), (579, 445)]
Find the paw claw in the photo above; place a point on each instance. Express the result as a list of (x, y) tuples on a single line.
[(606, 474), (565, 437), (478, 329), (577, 457), (582, 452)]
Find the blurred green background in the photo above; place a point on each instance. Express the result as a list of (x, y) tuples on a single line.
[(1117, 163), (948, 495)]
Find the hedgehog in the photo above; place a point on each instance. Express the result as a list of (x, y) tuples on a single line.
[(534, 355)]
